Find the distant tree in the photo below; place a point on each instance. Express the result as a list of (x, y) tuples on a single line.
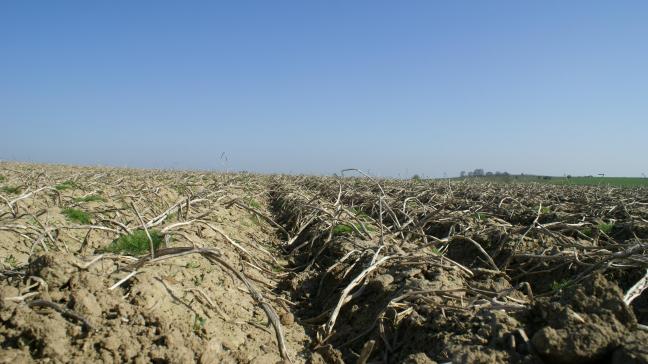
[(470, 174), (416, 177), (507, 174), (569, 176), (462, 174), (479, 172), (489, 173)]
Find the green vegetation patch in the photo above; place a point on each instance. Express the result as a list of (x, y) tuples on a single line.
[(66, 186), (559, 285), (606, 228), (11, 261), (136, 243), (603, 181), (253, 203), (579, 181), (345, 229), (199, 323), (77, 215), (342, 229), (360, 214), (199, 279), (90, 198), (2, 178), (435, 250), (11, 189), (603, 227)]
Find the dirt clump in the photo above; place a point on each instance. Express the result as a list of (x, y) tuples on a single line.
[(586, 324)]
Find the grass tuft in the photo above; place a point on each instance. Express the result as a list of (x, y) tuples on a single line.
[(11, 190), (66, 186), (90, 198), (2, 178), (606, 228), (253, 203), (361, 214), (77, 215), (602, 227), (342, 229), (345, 229), (435, 250), (136, 243)]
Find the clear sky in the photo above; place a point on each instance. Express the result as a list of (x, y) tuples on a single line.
[(396, 88)]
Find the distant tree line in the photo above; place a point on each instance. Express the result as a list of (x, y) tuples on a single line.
[(479, 172)]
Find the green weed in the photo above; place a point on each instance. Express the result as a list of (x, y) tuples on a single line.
[(559, 285), (11, 261), (2, 178), (342, 229), (253, 203), (360, 214), (435, 250), (136, 243), (481, 215), (199, 323), (90, 198), (602, 227), (606, 228), (10, 189), (198, 280), (66, 186), (77, 215)]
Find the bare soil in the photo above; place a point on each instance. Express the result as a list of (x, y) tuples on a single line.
[(179, 310), (276, 269)]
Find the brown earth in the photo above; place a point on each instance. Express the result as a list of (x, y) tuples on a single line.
[(269, 269), (184, 309)]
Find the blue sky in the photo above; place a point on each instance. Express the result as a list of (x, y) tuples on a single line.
[(396, 88)]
